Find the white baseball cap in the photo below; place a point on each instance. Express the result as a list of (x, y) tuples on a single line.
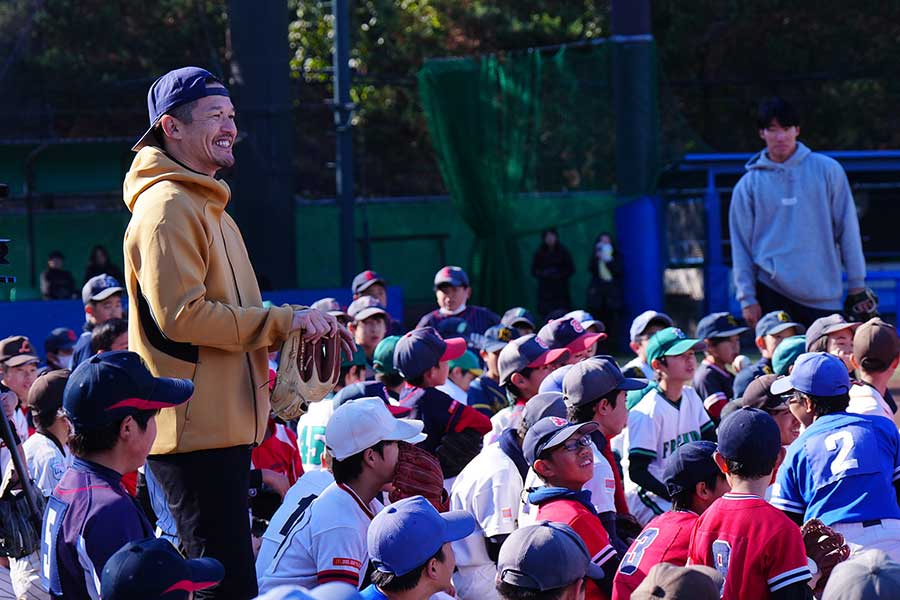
[(362, 423)]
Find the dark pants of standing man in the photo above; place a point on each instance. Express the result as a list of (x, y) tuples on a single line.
[(207, 494), (770, 300)]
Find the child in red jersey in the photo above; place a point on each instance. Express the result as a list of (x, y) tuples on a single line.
[(694, 481), (561, 455), (755, 546)]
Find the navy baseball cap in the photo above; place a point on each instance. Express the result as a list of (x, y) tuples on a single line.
[(595, 377), (404, 535), (816, 374), (61, 338), (100, 288), (451, 275), (422, 349), (751, 437), (174, 89), (822, 327), (365, 280), (516, 316), (776, 322), (545, 556), (153, 569), (496, 337), (364, 307), (368, 389), (570, 334), (113, 385), (689, 465), (647, 318), (545, 404), (453, 327), (720, 325), (526, 351), (550, 432)]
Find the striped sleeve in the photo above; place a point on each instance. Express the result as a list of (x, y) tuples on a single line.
[(643, 437), (785, 558), (787, 578), (786, 493), (341, 555)]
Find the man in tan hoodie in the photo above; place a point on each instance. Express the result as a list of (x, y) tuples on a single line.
[(197, 313)]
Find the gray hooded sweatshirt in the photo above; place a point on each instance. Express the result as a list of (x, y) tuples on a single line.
[(792, 226)]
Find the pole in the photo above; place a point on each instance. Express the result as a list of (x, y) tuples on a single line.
[(637, 140), (343, 115)]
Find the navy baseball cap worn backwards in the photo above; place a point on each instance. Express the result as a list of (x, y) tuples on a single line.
[(751, 437), (406, 534), (113, 385), (816, 374), (153, 568), (689, 465), (174, 89)]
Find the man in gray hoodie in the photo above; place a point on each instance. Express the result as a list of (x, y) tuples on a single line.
[(793, 226)]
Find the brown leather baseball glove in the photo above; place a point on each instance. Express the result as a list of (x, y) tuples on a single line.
[(307, 371), (826, 547), (419, 474)]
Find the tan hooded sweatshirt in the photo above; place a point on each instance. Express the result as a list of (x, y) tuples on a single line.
[(196, 311)]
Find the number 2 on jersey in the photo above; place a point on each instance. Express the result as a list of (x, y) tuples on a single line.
[(632, 559), (842, 441)]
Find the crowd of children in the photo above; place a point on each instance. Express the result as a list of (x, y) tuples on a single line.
[(482, 457)]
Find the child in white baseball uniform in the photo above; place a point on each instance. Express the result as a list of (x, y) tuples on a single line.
[(327, 543), (670, 415)]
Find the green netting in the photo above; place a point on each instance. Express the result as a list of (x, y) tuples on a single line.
[(504, 127)]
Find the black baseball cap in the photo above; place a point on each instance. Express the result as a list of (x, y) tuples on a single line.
[(720, 325), (16, 351), (61, 338), (759, 395), (114, 385), (595, 377), (689, 465), (750, 436), (175, 89), (365, 280), (423, 348), (152, 568)]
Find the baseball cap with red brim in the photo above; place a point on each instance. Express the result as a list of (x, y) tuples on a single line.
[(153, 568), (527, 351), (422, 349), (570, 334), (113, 385)]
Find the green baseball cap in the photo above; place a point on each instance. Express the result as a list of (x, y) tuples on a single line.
[(671, 341), (467, 362), (383, 357), (787, 352), (358, 359)]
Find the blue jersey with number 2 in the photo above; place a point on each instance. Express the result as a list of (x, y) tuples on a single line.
[(841, 470)]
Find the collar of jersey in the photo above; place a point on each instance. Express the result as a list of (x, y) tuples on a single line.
[(359, 501), (736, 496), (111, 476)]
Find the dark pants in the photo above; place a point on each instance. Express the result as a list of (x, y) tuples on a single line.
[(207, 494), (770, 300)]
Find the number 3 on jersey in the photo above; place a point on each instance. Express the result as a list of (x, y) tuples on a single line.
[(632, 559), (842, 441)]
